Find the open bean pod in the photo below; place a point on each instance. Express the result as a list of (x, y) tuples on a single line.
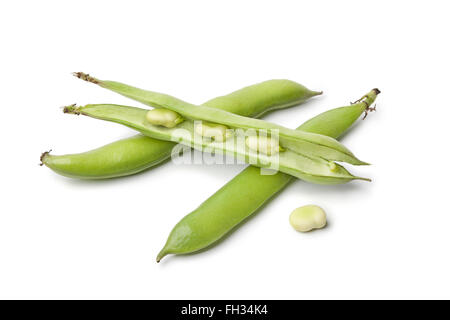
[(307, 144), (135, 154), (312, 169)]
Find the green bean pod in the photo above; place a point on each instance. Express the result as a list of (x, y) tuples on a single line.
[(247, 192), (315, 170), (135, 154), (307, 144), (120, 158)]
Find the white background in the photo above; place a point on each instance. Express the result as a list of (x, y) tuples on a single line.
[(62, 238)]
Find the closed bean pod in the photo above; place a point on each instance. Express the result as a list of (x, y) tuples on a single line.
[(246, 193), (135, 154), (117, 159)]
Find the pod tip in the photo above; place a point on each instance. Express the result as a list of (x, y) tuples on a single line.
[(85, 77), (376, 90), (43, 155), (317, 93), (161, 255), (357, 162), (72, 109)]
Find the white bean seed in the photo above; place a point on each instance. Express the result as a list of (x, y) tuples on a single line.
[(308, 217)]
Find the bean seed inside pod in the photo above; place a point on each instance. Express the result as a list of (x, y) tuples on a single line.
[(164, 117), (218, 132), (265, 145)]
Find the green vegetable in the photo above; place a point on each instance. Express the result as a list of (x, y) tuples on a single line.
[(120, 158), (215, 131), (251, 101), (313, 170), (310, 145), (247, 192), (308, 217), (263, 144), (138, 153), (163, 117)]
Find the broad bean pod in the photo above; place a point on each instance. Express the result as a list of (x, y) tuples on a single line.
[(312, 170), (135, 154), (312, 146), (247, 192)]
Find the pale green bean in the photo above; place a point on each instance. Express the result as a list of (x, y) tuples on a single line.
[(138, 153)]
